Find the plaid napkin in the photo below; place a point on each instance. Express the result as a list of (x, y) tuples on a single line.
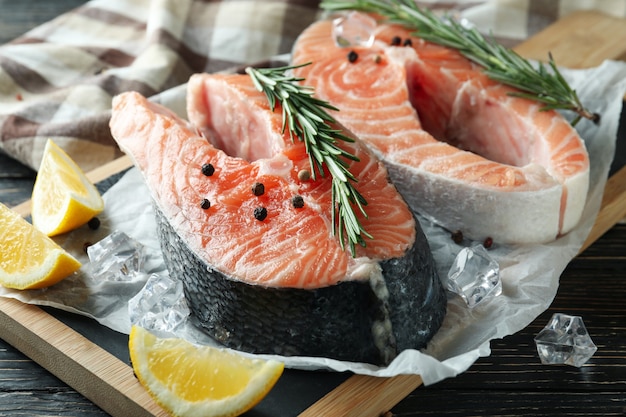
[(512, 21), (57, 80)]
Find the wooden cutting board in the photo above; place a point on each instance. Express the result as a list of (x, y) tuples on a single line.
[(580, 40)]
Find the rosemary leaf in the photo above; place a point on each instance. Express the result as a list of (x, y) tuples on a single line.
[(502, 64), (305, 118)]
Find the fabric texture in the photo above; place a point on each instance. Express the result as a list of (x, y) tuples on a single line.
[(57, 81)]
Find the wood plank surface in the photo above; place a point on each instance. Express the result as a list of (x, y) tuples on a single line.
[(83, 365), (613, 207), (17, 21), (108, 381), (582, 39), (513, 382)]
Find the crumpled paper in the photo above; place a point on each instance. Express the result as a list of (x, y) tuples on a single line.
[(530, 274)]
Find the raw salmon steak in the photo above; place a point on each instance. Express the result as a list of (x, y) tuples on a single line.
[(279, 282), (459, 147)]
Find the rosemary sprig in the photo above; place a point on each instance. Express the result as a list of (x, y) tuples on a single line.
[(541, 84), (305, 118)]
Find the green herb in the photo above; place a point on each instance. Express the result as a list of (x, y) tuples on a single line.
[(306, 118), (544, 84)]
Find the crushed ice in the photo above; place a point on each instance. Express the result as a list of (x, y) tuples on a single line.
[(354, 29), (115, 258), (475, 275), (160, 305), (565, 340)]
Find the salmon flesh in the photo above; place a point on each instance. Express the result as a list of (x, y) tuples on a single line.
[(277, 283), (459, 147)]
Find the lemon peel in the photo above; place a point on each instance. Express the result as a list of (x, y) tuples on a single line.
[(28, 258), (63, 198), (189, 380)]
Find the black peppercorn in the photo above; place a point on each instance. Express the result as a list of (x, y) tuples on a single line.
[(297, 201), (457, 236), (396, 41), (208, 169), (407, 42), (260, 213), (94, 223), (205, 204), (352, 56), (258, 189)]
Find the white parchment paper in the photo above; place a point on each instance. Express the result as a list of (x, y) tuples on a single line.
[(530, 274)]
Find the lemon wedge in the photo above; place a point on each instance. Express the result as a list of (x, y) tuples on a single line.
[(29, 258), (63, 198), (189, 380)]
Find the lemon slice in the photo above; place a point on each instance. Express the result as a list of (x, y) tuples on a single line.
[(29, 258), (190, 380), (63, 198)]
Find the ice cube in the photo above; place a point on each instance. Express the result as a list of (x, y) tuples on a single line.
[(116, 257), (160, 305), (475, 275), (354, 29), (565, 340)]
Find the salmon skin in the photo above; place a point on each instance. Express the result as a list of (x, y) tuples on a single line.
[(462, 151), (279, 283)]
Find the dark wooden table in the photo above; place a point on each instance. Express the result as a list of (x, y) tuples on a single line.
[(510, 382)]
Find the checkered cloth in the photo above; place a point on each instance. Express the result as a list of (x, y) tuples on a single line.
[(57, 80)]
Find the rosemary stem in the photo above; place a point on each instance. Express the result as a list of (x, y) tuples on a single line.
[(305, 118), (543, 83)]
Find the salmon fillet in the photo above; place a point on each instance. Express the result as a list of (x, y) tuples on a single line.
[(282, 283), (461, 150)]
